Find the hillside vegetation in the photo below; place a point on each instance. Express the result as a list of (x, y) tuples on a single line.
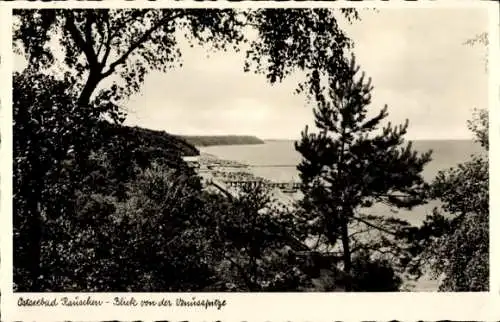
[(198, 140), (152, 139)]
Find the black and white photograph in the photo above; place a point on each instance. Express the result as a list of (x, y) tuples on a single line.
[(250, 149)]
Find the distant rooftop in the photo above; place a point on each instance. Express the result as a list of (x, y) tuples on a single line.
[(191, 158)]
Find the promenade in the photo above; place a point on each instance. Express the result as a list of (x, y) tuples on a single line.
[(229, 177)]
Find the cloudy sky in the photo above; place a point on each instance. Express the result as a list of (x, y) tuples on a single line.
[(416, 58)]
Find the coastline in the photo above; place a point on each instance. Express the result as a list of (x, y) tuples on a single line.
[(228, 170), (228, 177), (221, 170)]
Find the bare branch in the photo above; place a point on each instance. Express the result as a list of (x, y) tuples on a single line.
[(374, 226)]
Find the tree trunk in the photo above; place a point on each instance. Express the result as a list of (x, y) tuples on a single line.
[(92, 81), (346, 253)]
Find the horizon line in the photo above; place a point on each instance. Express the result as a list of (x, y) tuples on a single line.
[(406, 139), (471, 138), (297, 139)]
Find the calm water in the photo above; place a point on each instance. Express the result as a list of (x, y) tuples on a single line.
[(277, 160)]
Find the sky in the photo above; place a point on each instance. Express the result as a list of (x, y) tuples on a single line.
[(416, 58)]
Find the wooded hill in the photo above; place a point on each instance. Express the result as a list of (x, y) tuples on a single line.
[(152, 140), (198, 140)]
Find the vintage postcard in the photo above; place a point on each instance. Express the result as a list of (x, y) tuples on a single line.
[(249, 161)]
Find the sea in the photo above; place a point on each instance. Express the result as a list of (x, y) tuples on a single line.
[(277, 160)]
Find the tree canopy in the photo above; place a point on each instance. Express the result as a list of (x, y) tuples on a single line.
[(455, 237), (128, 43)]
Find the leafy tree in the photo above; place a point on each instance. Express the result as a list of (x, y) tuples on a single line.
[(123, 42), (480, 39), (154, 240), (64, 154), (121, 152), (256, 238), (128, 43), (261, 251), (49, 128), (479, 126), (349, 165), (454, 240), (456, 237)]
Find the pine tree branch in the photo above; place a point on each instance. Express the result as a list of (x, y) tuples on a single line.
[(374, 226), (378, 250), (357, 232)]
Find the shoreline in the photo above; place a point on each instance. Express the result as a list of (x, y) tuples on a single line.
[(236, 172), (227, 170)]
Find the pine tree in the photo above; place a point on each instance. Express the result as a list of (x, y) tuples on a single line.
[(350, 164)]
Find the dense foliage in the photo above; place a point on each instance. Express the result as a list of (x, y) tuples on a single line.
[(171, 145), (349, 165), (456, 237), (66, 158), (51, 133)]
